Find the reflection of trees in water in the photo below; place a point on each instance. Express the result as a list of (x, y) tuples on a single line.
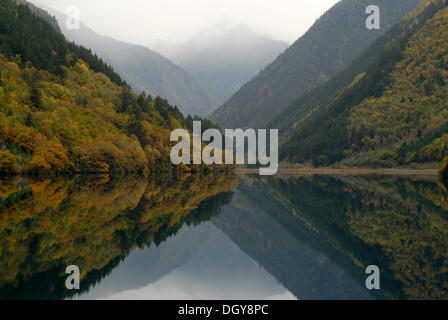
[(399, 224), (286, 253), (48, 224), (409, 221), (396, 223)]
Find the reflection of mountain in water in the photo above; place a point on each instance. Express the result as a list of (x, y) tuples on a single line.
[(147, 265), (305, 271), (309, 237), (48, 225), (199, 262), (396, 223)]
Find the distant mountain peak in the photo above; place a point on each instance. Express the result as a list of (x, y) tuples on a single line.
[(335, 39), (145, 70), (224, 56)]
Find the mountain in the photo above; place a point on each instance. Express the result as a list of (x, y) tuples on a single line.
[(394, 112), (62, 109), (338, 37), (223, 59), (145, 70)]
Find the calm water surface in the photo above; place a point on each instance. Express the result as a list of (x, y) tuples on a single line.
[(224, 237)]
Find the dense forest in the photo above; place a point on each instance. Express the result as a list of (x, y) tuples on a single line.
[(393, 113), (336, 38), (94, 222), (62, 109)]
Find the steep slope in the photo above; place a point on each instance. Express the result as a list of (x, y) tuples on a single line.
[(395, 112), (59, 113), (41, 13), (145, 70), (293, 116), (224, 60), (332, 42)]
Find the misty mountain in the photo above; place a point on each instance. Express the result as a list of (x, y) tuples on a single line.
[(144, 69), (224, 59), (335, 39)]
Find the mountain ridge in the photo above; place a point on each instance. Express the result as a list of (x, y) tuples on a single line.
[(394, 112), (144, 69), (63, 110), (224, 58), (337, 37)]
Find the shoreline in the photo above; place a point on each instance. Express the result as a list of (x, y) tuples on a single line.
[(335, 171)]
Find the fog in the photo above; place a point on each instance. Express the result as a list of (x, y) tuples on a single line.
[(143, 21)]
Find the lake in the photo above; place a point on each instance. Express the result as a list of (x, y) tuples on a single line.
[(224, 236)]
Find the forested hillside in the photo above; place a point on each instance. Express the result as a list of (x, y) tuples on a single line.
[(62, 109), (41, 13), (392, 114), (337, 38)]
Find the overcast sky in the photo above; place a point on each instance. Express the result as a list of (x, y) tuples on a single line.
[(142, 21)]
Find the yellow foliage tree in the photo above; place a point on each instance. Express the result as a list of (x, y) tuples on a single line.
[(8, 162)]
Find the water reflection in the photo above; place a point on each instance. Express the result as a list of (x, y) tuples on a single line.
[(47, 225), (398, 224), (199, 262), (204, 236)]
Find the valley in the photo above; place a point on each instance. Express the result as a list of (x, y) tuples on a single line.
[(218, 162)]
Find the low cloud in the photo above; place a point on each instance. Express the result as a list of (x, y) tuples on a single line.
[(140, 21)]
